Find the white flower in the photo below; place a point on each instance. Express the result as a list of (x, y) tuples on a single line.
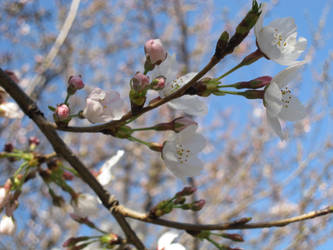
[(103, 106), (180, 152), (86, 205), (10, 110), (192, 105), (4, 195), (279, 101), (105, 176), (165, 242), (278, 39), (7, 225)]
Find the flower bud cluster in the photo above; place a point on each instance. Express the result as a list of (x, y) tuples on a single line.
[(178, 201)]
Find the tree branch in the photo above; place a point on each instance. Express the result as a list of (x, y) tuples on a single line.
[(30, 108)]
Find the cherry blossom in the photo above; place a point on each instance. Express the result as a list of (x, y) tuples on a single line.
[(278, 39), (192, 105), (180, 152), (280, 103), (103, 106)]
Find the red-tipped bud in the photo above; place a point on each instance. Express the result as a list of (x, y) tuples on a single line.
[(33, 140), (182, 122), (198, 205), (75, 82), (186, 191), (8, 147), (68, 176), (234, 237), (255, 83)]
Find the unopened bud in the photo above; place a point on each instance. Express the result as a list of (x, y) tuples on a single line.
[(68, 176), (158, 83), (140, 82), (110, 239), (221, 44), (253, 94), (62, 113), (179, 200), (198, 205), (255, 83), (187, 191), (234, 237), (34, 140), (8, 147), (74, 83), (181, 123), (123, 132), (155, 51)]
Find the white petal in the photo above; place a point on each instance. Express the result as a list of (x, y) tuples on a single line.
[(292, 111), (168, 69), (275, 125), (272, 98), (166, 239), (87, 205), (106, 176), (259, 24), (287, 75), (192, 105), (285, 25)]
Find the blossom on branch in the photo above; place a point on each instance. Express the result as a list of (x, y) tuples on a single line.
[(103, 106), (279, 101), (192, 105), (165, 242), (180, 152), (277, 41)]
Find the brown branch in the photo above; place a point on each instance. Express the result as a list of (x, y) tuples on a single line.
[(30, 108), (239, 224)]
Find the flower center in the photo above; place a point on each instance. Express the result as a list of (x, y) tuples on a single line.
[(182, 153), (286, 97), (278, 40)]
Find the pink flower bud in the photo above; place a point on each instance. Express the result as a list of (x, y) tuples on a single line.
[(158, 83), (255, 83), (75, 82), (140, 82), (7, 225), (34, 140), (188, 190), (155, 51), (181, 123), (62, 112), (198, 205)]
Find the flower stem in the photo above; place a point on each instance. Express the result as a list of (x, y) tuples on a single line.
[(143, 129), (132, 138), (67, 98), (230, 71)]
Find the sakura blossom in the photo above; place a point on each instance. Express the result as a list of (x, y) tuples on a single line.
[(155, 51), (180, 152), (278, 39), (192, 105), (7, 225), (103, 106), (280, 103), (86, 205)]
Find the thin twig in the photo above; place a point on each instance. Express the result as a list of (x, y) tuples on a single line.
[(40, 79)]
